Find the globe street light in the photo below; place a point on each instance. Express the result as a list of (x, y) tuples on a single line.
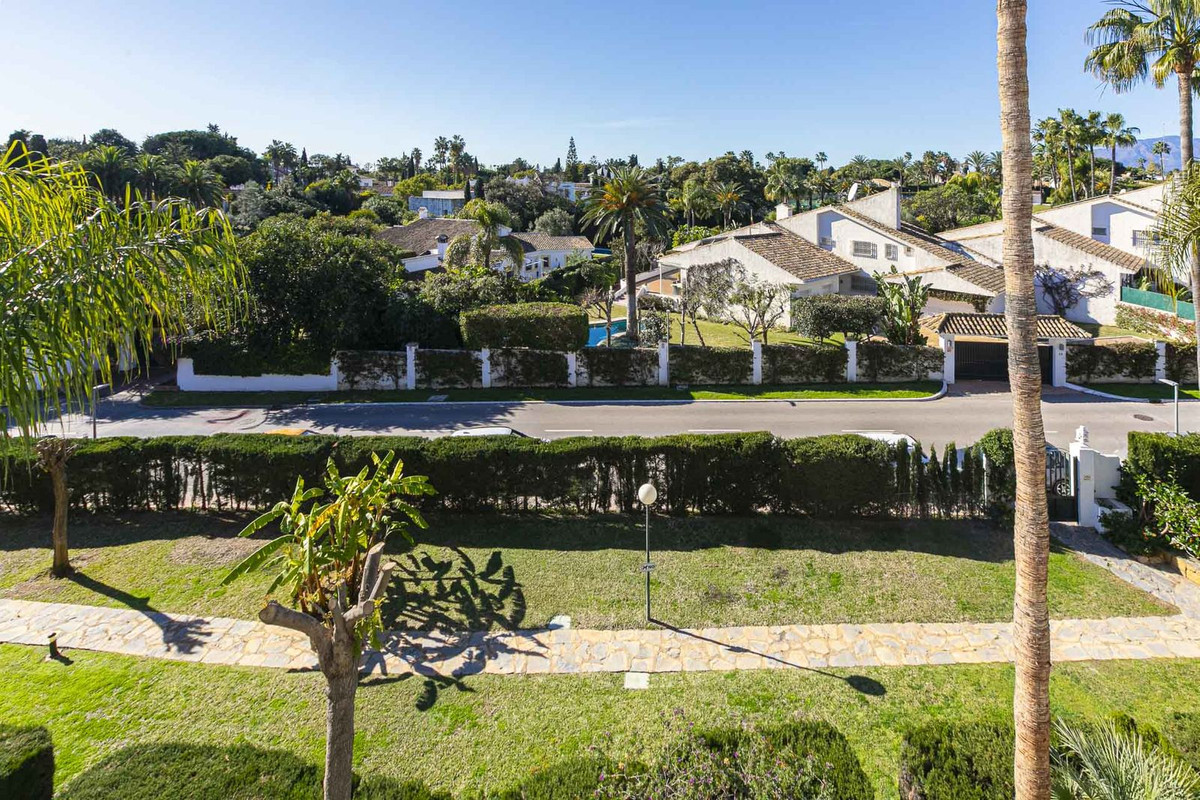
[(648, 495)]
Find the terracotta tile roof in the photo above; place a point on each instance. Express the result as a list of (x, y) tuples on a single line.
[(1088, 245), (795, 255), (984, 276), (994, 326), (421, 235), (534, 240)]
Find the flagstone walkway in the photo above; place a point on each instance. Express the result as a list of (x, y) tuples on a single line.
[(663, 649)]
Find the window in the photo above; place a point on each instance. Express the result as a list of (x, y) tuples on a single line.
[(1098, 231), (907, 250), (866, 250), (891, 251), (1144, 238), (826, 242)]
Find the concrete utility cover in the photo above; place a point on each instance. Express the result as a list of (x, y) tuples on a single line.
[(637, 680), (438, 398), (1144, 417)]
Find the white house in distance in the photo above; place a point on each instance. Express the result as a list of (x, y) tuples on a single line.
[(439, 202), (429, 236), (571, 191), (1106, 233)]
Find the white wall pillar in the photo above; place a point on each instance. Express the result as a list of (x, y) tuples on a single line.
[(664, 364), (571, 376), (851, 360), (410, 366), (756, 370), (1160, 365), (946, 340), (1083, 478), (1058, 362), (485, 355)]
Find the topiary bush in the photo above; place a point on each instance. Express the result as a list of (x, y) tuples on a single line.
[(840, 475), (538, 326), (884, 361), (821, 316), (710, 365), (787, 363), (1132, 361), (958, 761), (26, 763), (449, 369), (618, 366), (528, 368)]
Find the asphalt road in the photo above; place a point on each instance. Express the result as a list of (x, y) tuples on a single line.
[(969, 410)]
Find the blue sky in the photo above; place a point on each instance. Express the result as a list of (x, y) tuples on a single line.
[(694, 79)]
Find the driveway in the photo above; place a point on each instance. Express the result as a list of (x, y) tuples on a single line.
[(968, 411)]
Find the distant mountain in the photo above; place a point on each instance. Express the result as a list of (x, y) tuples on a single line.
[(1129, 155)]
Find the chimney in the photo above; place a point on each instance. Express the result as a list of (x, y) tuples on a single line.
[(782, 211), (442, 241), (422, 213)]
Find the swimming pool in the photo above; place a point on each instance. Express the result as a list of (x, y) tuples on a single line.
[(597, 334)]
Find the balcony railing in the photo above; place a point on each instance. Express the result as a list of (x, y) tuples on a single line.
[(1158, 301)]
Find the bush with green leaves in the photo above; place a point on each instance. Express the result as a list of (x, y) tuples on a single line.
[(710, 365), (449, 369), (1105, 761), (789, 363), (821, 316), (839, 475), (619, 366), (958, 761), (1181, 363), (26, 763), (216, 356), (1158, 456), (538, 326), (1134, 361), (1173, 516), (521, 367), (884, 361)]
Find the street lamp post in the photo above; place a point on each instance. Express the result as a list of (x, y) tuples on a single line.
[(648, 495), (1175, 386)]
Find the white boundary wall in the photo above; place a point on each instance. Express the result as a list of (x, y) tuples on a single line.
[(189, 381)]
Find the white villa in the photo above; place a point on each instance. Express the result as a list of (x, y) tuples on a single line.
[(439, 202), (572, 191), (428, 237)]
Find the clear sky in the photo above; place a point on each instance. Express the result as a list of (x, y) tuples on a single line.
[(693, 79)]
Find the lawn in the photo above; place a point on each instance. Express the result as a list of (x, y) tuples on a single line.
[(712, 571), (816, 391), (492, 731), (1096, 329), (723, 334), (1145, 391)]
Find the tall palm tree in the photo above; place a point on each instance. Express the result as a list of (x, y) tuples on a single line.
[(1162, 150), (280, 154), (995, 162), (1177, 230), (1093, 128), (1048, 134), (1117, 134), (1072, 133), (200, 184), (631, 197), (478, 247), (782, 183), (728, 197), (82, 277), (1031, 530), (692, 198), (976, 161), (821, 159), (152, 175), (109, 166)]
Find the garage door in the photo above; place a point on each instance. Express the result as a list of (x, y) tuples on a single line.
[(988, 361)]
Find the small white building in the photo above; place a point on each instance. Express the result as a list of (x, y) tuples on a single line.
[(439, 202), (572, 191)]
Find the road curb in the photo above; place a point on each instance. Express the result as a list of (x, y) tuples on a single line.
[(1097, 393)]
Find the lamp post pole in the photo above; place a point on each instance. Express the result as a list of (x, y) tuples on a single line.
[(648, 495), (1174, 385)]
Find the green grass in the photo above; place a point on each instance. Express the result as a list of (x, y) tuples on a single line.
[(1096, 329), (494, 730), (1145, 391), (712, 571), (835, 391), (723, 334)]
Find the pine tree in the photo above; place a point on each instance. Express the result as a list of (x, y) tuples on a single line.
[(572, 161), (557, 166), (479, 186)]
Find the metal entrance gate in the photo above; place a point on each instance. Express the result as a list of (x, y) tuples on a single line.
[(988, 361), (1060, 497)]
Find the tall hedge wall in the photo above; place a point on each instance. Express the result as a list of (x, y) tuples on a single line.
[(618, 366), (449, 369), (822, 476), (711, 365), (1117, 362), (789, 363), (1181, 362), (539, 326), (520, 367), (884, 361)]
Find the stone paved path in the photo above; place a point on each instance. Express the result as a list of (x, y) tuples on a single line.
[(253, 644)]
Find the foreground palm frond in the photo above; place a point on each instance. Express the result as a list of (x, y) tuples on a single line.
[(1101, 763)]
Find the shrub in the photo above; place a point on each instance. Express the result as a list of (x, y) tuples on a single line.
[(222, 357), (821, 316), (1157, 456), (1135, 360), (837, 476), (576, 777), (787, 363), (997, 448), (1181, 363), (958, 761), (449, 369), (528, 368), (371, 367), (26, 763), (1182, 730), (539, 326), (1157, 324), (619, 366), (887, 361), (710, 365)]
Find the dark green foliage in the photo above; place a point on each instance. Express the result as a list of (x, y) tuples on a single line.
[(208, 772), (619, 366), (356, 367), (1182, 730), (838, 476), (819, 740), (958, 761), (1098, 362), (449, 369), (566, 780), (512, 367), (886, 361), (26, 763), (223, 357), (1181, 363), (1152, 737), (998, 463), (1158, 455), (540, 326), (710, 366), (789, 363), (821, 316)]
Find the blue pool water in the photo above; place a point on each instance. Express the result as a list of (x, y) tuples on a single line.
[(597, 334)]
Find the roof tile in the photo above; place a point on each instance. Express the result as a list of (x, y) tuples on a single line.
[(994, 326)]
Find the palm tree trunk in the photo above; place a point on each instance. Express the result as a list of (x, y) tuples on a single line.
[(61, 566), (1031, 622), (631, 318), (339, 733), (1092, 168), (1071, 169), (1112, 170)]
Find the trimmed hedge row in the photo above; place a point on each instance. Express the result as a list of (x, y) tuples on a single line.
[(710, 365), (449, 369), (619, 366), (26, 763), (789, 363), (218, 357), (884, 361), (1129, 361), (822, 476), (528, 368), (1181, 363), (538, 326)]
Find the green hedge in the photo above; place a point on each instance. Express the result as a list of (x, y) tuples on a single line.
[(538, 326), (217, 357), (512, 367), (710, 365), (789, 363), (884, 361), (1181, 363), (371, 367), (449, 369), (1120, 360), (1182, 730), (619, 366), (1158, 455), (821, 316), (822, 476), (958, 761), (26, 763)]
